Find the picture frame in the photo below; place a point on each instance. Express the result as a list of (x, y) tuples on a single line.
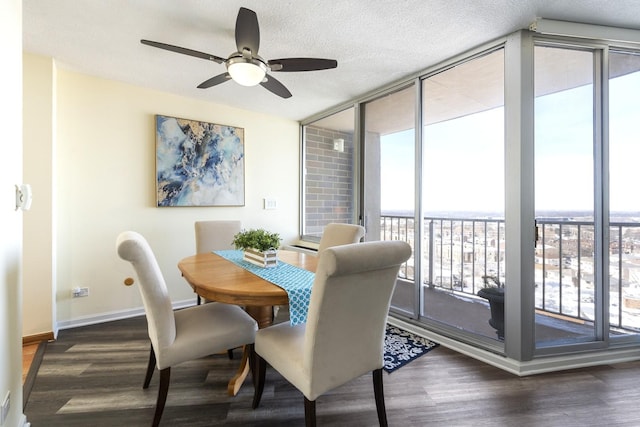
[(198, 163)]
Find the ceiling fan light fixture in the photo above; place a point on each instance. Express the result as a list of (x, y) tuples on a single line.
[(246, 71), (244, 66)]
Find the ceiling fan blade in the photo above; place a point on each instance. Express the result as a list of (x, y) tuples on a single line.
[(220, 78), (247, 31), (302, 64), (184, 51), (275, 86)]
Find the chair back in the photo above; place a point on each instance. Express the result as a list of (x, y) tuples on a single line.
[(132, 247), (336, 234), (215, 235), (347, 315)]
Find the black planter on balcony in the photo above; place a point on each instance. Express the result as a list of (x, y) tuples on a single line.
[(495, 296)]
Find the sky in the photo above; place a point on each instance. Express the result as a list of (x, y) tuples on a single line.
[(463, 165), (625, 142), (464, 157)]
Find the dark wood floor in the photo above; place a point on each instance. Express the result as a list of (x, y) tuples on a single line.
[(92, 376)]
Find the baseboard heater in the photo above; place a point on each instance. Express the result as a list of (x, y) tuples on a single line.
[(300, 248)]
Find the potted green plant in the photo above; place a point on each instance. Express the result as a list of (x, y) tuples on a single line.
[(260, 246), (493, 292)]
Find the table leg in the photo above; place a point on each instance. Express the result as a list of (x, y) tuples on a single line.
[(243, 370), (264, 316)]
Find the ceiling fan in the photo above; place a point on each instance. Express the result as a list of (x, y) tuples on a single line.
[(245, 66)]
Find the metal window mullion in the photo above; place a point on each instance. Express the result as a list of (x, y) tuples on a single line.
[(601, 187)]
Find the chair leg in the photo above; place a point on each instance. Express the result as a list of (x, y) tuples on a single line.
[(163, 390), (309, 412), (150, 368), (259, 370), (378, 391)]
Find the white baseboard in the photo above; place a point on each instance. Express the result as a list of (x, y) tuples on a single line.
[(536, 366), (111, 316)]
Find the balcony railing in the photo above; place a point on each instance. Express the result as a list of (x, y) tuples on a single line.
[(459, 252)]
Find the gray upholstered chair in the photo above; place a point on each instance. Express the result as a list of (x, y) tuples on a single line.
[(344, 334), (215, 235), (185, 334), (336, 234)]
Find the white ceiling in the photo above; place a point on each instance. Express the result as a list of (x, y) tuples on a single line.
[(375, 42)]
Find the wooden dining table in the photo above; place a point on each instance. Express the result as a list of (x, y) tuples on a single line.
[(218, 279)]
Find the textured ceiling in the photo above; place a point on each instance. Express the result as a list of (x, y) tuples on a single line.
[(375, 42)]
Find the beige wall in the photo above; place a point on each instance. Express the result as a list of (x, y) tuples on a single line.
[(39, 231), (104, 183), (11, 223)]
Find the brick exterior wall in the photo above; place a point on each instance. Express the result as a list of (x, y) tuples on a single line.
[(328, 180)]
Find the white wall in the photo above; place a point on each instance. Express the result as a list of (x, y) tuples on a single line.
[(105, 183), (11, 220)]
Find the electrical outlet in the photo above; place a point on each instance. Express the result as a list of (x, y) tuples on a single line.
[(6, 405), (80, 292)]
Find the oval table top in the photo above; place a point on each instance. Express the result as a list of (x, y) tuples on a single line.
[(215, 278), (218, 279)]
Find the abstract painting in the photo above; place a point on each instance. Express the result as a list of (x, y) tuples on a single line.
[(198, 163)]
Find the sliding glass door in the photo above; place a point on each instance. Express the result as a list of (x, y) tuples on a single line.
[(566, 267), (624, 212), (463, 193), (389, 181), (587, 257)]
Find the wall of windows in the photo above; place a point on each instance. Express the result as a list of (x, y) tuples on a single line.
[(516, 165), (388, 175)]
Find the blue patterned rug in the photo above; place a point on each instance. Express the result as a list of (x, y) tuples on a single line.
[(402, 347)]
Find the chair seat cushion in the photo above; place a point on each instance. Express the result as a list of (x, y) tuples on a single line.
[(207, 329), (282, 346)]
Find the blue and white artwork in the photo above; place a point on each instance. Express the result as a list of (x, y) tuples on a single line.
[(199, 163)]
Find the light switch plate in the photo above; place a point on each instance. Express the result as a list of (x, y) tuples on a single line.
[(270, 203)]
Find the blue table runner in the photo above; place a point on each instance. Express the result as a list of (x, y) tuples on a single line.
[(294, 280)]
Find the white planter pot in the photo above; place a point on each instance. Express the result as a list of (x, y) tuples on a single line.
[(263, 259)]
